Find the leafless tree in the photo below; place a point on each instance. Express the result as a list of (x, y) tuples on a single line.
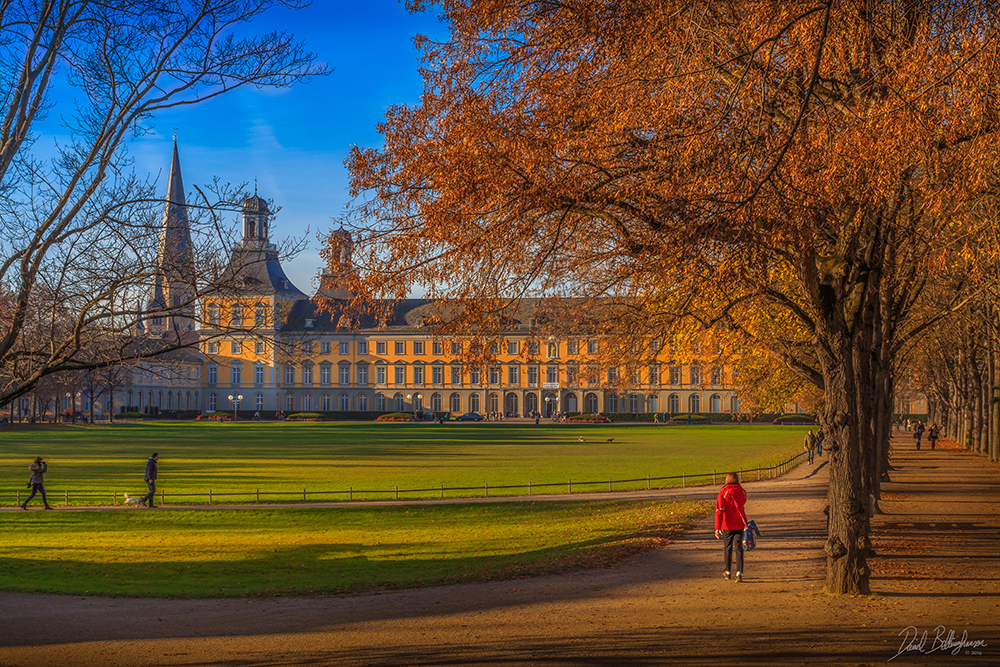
[(79, 230)]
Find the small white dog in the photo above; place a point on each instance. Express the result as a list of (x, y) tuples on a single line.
[(134, 502)]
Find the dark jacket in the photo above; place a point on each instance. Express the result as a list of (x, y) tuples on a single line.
[(150, 469), (37, 471)]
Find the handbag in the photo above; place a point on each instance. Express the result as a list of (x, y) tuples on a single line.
[(29, 482)]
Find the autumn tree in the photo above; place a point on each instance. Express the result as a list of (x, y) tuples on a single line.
[(727, 161), (79, 230)]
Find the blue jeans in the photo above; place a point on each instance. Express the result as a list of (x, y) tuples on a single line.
[(151, 483)]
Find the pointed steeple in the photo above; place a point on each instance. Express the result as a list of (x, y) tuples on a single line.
[(174, 290)]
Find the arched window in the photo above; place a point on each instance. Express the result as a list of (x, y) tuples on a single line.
[(363, 402), (474, 403), (654, 403), (674, 402), (571, 403), (289, 402), (530, 403), (613, 403), (716, 403), (735, 402), (695, 403), (436, 402), (324, 402), (380, 402), (159, 399), (258, 401), (187, 400), (494, 403), (456, 403), (633, 403), (307, 402), (345, 402), (398, 403), (170, 400)]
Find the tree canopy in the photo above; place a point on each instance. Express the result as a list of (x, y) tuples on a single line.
[(792, 169)]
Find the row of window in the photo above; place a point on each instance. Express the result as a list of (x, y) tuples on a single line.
[(492, 376), (510, 404), (400, 348)]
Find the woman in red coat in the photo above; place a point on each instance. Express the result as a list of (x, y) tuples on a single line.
[(730, 520)]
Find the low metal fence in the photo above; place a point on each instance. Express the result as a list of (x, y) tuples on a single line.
[(695, 479)]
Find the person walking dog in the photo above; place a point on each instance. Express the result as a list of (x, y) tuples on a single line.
[(730, 520), (150, 477), (38, 468)]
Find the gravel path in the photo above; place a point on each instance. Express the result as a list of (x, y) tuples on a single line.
[(938, 565)]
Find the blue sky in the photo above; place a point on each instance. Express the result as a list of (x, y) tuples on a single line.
[(294, 141)]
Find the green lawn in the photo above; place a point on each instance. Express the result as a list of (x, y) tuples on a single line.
[(282, 551), (371, 460)]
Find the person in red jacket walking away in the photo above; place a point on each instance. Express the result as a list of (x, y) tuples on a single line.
[(730, 520)]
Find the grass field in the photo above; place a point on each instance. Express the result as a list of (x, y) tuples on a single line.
[(371, 459), (286, 551), (345, 549)]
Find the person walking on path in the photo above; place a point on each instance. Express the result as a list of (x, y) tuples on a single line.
[(918, 432), (730, 520), (819, 443), (810, 446), (150, 477), (38, 468), (932, 434)]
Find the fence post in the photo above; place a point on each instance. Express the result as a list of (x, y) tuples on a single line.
[(683, 480), (713, 478), (758, 472), (18, 496), (303, 495), (486, 487), (350, 494), (571, 486), (258, 496), (609, 483), (67, 499), (163, 495), (647, 482), (397, 492), (115, 501), (529, 488), (442, 491), (210, 496)]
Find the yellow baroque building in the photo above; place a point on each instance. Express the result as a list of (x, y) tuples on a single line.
[(264, 345)]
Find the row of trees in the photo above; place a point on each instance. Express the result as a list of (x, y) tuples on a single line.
[(815, 178)]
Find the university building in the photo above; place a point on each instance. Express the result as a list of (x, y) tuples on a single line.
[(263, 344)]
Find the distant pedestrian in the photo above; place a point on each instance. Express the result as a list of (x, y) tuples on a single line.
[(809, 444), (819, 443), (906, 425), (918, 431), (38, 468), (150, 478), (932, 434), (730, 520)]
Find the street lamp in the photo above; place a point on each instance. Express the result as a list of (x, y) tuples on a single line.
[(235, 400)]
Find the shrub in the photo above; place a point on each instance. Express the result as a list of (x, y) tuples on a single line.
[(396, 417), (305, 417), (692, 418), (578, 418)]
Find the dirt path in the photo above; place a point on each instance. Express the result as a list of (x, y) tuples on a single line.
[(939, 565)]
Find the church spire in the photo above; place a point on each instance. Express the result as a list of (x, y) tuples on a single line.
[(174, 290)]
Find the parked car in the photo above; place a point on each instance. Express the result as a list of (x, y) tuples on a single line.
[(469, 417), (796, 419)]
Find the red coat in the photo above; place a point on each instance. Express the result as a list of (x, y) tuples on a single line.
[(729, 512)]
